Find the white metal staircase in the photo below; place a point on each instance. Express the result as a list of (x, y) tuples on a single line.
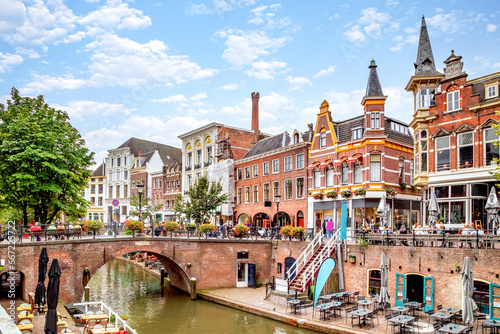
[(307, 265)]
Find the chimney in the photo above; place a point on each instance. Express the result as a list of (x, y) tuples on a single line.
[(255, 115), (140, 153), (311, 128)]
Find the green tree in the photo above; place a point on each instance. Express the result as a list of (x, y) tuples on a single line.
[(203, 198), (147, 208), (43, 161), (180, 209)]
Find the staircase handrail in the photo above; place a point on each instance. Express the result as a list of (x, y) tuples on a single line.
[(304, 257), (323, 255)]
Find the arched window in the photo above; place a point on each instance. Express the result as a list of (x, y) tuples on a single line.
[(345, 173), (317, 178), (329, 176), (481, 295), (296, 138)]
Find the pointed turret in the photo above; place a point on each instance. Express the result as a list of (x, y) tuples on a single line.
[(425, 64), (373, 87)]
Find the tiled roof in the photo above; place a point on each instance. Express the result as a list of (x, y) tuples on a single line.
[(396, 135), (269, 144), (100, 171), (168, 154)]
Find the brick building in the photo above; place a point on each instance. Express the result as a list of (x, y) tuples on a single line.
[(274, 166), (371, 152), (454, 147)]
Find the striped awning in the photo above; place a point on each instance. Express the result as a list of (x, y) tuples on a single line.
[(313, 165), (339, 162), (325, 163), (355, 157)]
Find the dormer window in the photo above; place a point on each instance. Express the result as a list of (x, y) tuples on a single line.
[(491, 91), (400, 128), (357, 133)]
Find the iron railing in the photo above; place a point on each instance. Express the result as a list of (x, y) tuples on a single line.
[(106, 309)]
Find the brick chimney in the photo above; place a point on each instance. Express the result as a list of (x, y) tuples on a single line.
[(255, 116)]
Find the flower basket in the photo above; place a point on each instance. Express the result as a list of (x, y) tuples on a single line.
[(297, 232), (286, 230), (171, 227), (240, 230), (207, 228), (360, 192), (134, 225), (92, 225), (390, 191), (403, 186), (318, 196), (346, 193), (331, 194)]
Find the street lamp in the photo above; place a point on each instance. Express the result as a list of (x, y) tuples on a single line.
[(233, 205), (277, 201), (140, 188)]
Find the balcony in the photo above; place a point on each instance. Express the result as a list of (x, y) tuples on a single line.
[(208, 163), (187, 169), (198, 166)]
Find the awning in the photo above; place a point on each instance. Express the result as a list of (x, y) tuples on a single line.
[(337, 163), (355, 157), (313, 165), (325, 163)]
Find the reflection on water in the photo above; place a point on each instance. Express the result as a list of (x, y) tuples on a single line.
[(130, 290)]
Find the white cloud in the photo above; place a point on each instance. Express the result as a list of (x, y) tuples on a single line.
[(80, 109), (439, 10), (265, 15), (195, 9), (47, 83), (171, 99), (115, 14), (297, 82), (324, 72), (230, 86), (243, 48), (369, 24), (398, 38), (217, 6), (198, 97), (491, 27), (398, 47), (399, 104), (7, 61), (32, 54), (355, 36), (410, 30), (266, 70), (370, 15), (448, 23), (123, 62)]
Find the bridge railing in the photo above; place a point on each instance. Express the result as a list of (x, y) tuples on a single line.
[(106, 309)]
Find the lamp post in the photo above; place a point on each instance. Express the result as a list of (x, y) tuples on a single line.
[(277, 201), (140, 188), (233, 204)]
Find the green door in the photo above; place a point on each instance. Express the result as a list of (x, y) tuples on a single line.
[(495, 301), (428, 293), (400, 289)]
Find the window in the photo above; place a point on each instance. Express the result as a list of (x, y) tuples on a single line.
[(247, 195), (125, 191), (265, 168), (299, 161), (316, 178), (375, 167), (276, 166), (276, 189), (178, 183), (111, 176), (443, 153), (154, 184), (374, 282), (118, 162), (322, 140), (239, 174), (256, 194), (110, 191), (427, 97), (357, 133), (453, 100), (117, 191), (401, 170), (481, 296), (300, 187), (133, 183), (492, 151), (266, 191), (238, 195), (198, 176), (189, 160), (423, 150), (491, 91), (466, 150), (288, 164), (358, 173), (92, 200), (411, 173), (209, 154), (125, 174), (375, 120), (345, 173), (99, 201), (190, 179), (159, 183), (92, 189), (329, 176), (125, 161), (255, 170), (400, 128), (112, 161), (101, 189), (198, 157), (247, 172), (288, 190)]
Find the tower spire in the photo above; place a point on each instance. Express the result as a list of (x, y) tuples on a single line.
[(425, 64), (373, 87)]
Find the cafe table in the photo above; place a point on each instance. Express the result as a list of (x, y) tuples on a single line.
[(94, 317), (452, 310), (109, 330), (442, 315), (26, 326), (293, 305), (323, 308), (413, 306), (400, 309), (402, 320), (24, 307), (452, 328), (365, 303), (495, 324), (361, 314)]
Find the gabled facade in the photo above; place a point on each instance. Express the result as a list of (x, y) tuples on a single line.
[(454, 146), (95, 194), (368, 154)]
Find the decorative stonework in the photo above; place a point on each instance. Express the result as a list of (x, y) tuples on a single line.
[(453, 66)]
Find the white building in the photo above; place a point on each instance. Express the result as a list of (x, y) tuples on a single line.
[(95, 194)]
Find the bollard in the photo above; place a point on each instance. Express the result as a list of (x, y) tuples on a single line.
[(193, 288), (87, 294), (162, 277)]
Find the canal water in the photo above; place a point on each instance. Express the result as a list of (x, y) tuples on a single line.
[(130, 290)]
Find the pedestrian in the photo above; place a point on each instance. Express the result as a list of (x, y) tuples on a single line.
[(122, 331), (329, 229), (318, 223)]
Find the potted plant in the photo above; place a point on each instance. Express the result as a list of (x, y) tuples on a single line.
[(346, 193), (390, 191), (360, 192), (207, 228), (415, 189), (286, 231), (318, 196), (171, 227), (240, 230), (403, 186), (331, 194), (92, 226), (134, 225), (457, 267), (297, 232), (125, 318)]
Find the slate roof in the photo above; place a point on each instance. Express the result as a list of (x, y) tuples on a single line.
[(269, 144), (373, 88), (425, 64), (396, 135), (308, 136), (100, 171), (168, 154)]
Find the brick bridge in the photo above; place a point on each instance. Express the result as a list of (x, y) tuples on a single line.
[(212, 262)]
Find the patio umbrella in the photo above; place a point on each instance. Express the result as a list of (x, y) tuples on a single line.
[(42, 271), (433, 209), (52, 298), (384, 281), (492, 206), (468, 304), (382, 211)]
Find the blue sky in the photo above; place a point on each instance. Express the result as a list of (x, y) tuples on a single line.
[(156, 69)]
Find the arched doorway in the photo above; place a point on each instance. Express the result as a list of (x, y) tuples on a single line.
[(243, 219), (261, 220), (300, 219), (9, 280), (283, 219)]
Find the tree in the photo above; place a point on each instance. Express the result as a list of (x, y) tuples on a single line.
[(147, 208), (180, 209), (43, 161), (203, 198)]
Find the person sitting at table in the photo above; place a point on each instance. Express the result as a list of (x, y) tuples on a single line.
[(466, 230), (60, 227), (441, 229), (51, 228), (71, 230), (419, 230), (78, 229), (122, 331), (34, 228)]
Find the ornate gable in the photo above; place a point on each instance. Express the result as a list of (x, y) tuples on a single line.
[(465, 128), (488, 123), (441, 133)]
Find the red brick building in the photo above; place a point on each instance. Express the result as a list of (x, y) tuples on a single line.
[(274, 166), (454, 147), (369, 154)]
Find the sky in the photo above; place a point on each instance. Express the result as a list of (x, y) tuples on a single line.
[(157, 69)]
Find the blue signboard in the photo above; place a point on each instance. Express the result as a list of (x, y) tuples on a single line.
[(115, 202), (343, 221)]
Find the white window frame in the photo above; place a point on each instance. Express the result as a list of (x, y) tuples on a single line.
[(375, 120), (239, 174), (453, 100), (437, 151), (316, 179), (274, 195), (358, 132), (284, 189), (265, 168), (297, 187), (322, 140), (344, 166), (459, 137), (289, 158), (246, 173), (239, 195), (358, 166), (427, 99), (264, 191), (412, 172), (255, 191), (485, 141), (372, 178), (494, 93), (330, 176), (297, 165), (255, 171), (247, 198), (276, 166)]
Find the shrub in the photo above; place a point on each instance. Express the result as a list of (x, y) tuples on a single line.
[(286, 230), (206, 228), (331, 194), (240, 229), (346, 193), (296, 231), (132, 225), (92, 225), (128, 232), (360, 192), (171, 226)]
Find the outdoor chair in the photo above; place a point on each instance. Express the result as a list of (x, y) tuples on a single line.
[(26, 331), (110, 325), (90, 325), (484, 327), (413, 325), (347, 311), (390, 324), (304, 304), (103, 322), (457, 317), (77, 233), (98, 327), (25, 322), (89, 313), (361, 297), (25, 312), (439, 307), (99, 312), (436, 326), (60, 328), (429, 313), (370, 318)]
